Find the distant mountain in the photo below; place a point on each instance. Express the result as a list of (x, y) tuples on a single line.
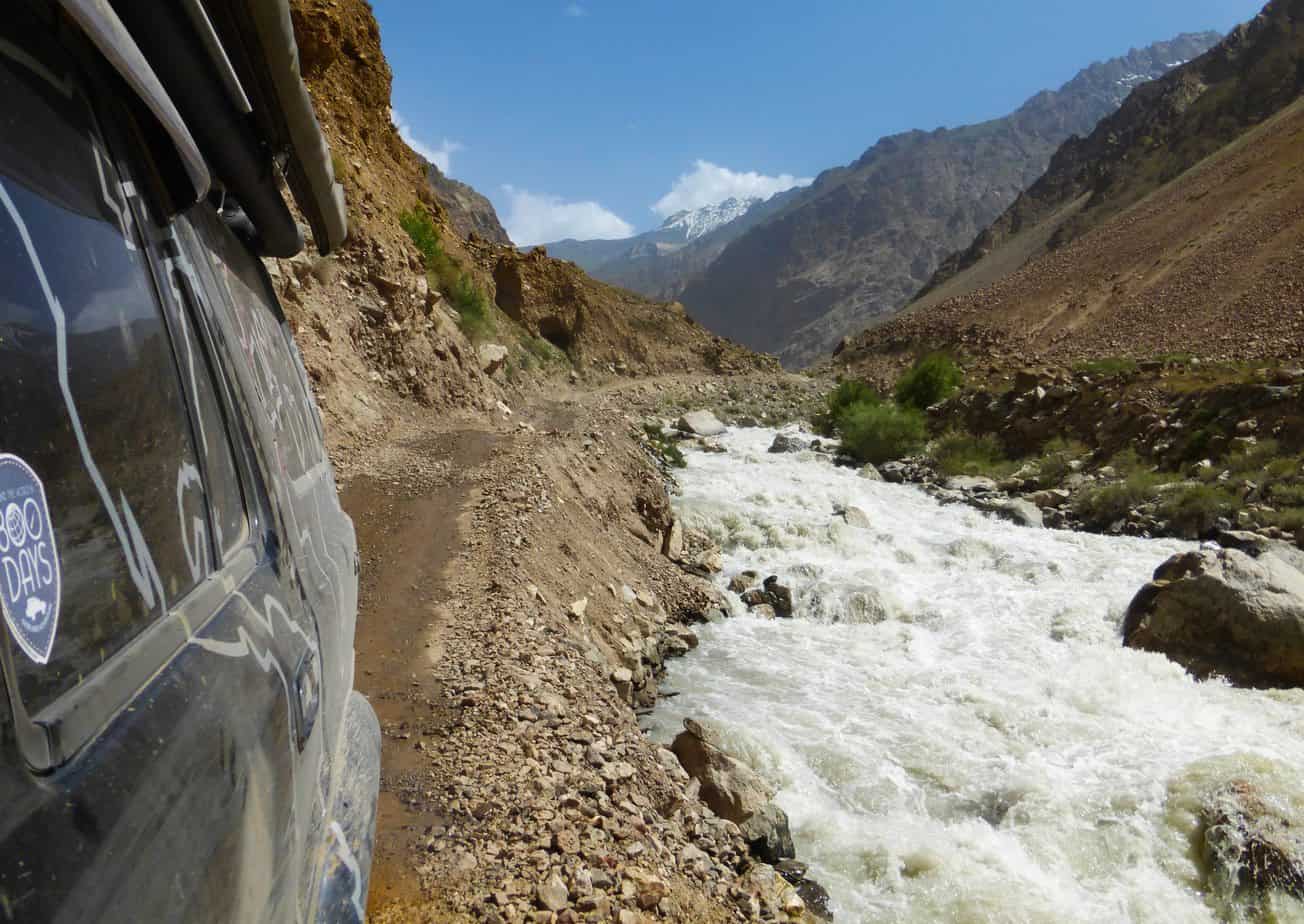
[(699, 222), (1176, 227), (660, 263), (854, 247)]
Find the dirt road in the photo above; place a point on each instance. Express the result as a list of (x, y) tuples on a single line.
[(511, 570), (409, 531)]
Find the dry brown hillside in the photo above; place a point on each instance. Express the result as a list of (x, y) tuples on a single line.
[(1211, 264), (1175, 227), (372, 328)]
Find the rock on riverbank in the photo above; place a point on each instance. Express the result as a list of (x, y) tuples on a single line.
[(1226, 612)]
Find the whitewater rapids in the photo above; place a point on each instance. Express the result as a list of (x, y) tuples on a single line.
[(951, 721)]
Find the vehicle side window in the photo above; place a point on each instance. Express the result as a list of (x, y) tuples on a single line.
[(280, 382), (90, 398), (230, 522)]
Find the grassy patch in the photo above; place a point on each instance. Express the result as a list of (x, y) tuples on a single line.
[(1285, 494), (1055, 462), (1109, 366), (543, 352), (1291, 519), (1193, 509), (1253, 458), (1112, 502), (959, 453)]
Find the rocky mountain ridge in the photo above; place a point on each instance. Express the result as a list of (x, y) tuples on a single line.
[(700, 221), (1158, 133), (660, 263), (469, 211), (856, 245), (1174, 228)]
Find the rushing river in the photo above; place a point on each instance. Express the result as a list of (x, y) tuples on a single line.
[(951, 721)]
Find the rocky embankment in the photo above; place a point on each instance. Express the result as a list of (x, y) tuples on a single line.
[(1156, 449), (509, 678)]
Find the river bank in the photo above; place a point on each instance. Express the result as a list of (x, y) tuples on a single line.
[(952, 720)]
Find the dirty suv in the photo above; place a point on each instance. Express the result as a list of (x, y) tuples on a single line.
[(179, 739)]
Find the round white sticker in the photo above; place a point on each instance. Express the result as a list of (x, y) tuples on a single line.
[(30, 582)]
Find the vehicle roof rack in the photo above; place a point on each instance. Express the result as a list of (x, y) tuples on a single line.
[(222, 78), (106, 31)]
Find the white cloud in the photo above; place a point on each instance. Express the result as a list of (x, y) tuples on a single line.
[(575, 10), (441, 156), (534, 218), (709, 184)]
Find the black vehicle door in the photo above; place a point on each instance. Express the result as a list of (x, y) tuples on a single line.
[(158, 655)]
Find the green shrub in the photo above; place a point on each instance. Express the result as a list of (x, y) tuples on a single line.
[(881, 432), (838, 401), (1285, 467), (1254, 458), (1193, 509), (663, 447), (421, 228), (475, 313), (1053, 465), (1291, 519), (929, 381), (1286, 495), (1112, 502), (959, 453), (442, 269)]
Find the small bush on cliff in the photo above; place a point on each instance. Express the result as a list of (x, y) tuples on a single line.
[(934, 378), (847, 395), (880, 433), (664, 447), (421, 228), (475, 314)]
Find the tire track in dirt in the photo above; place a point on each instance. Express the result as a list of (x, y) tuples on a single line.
[(409, 534)]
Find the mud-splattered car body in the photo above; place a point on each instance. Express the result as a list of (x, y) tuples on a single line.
[(180, 739)]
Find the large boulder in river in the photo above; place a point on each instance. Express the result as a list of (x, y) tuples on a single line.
[(771, 594), (1014, 509), (785, 443), (1250, 843), (730, 788), (768, 836), (971, 484), (700, 423), (1223, 612), (780, 596), (734, 791)]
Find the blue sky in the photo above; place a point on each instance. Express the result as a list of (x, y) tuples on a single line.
[(596, 118)]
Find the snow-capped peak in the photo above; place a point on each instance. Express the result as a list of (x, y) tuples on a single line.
[(697, 222)]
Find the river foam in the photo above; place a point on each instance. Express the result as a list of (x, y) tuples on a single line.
[(952, 723)]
